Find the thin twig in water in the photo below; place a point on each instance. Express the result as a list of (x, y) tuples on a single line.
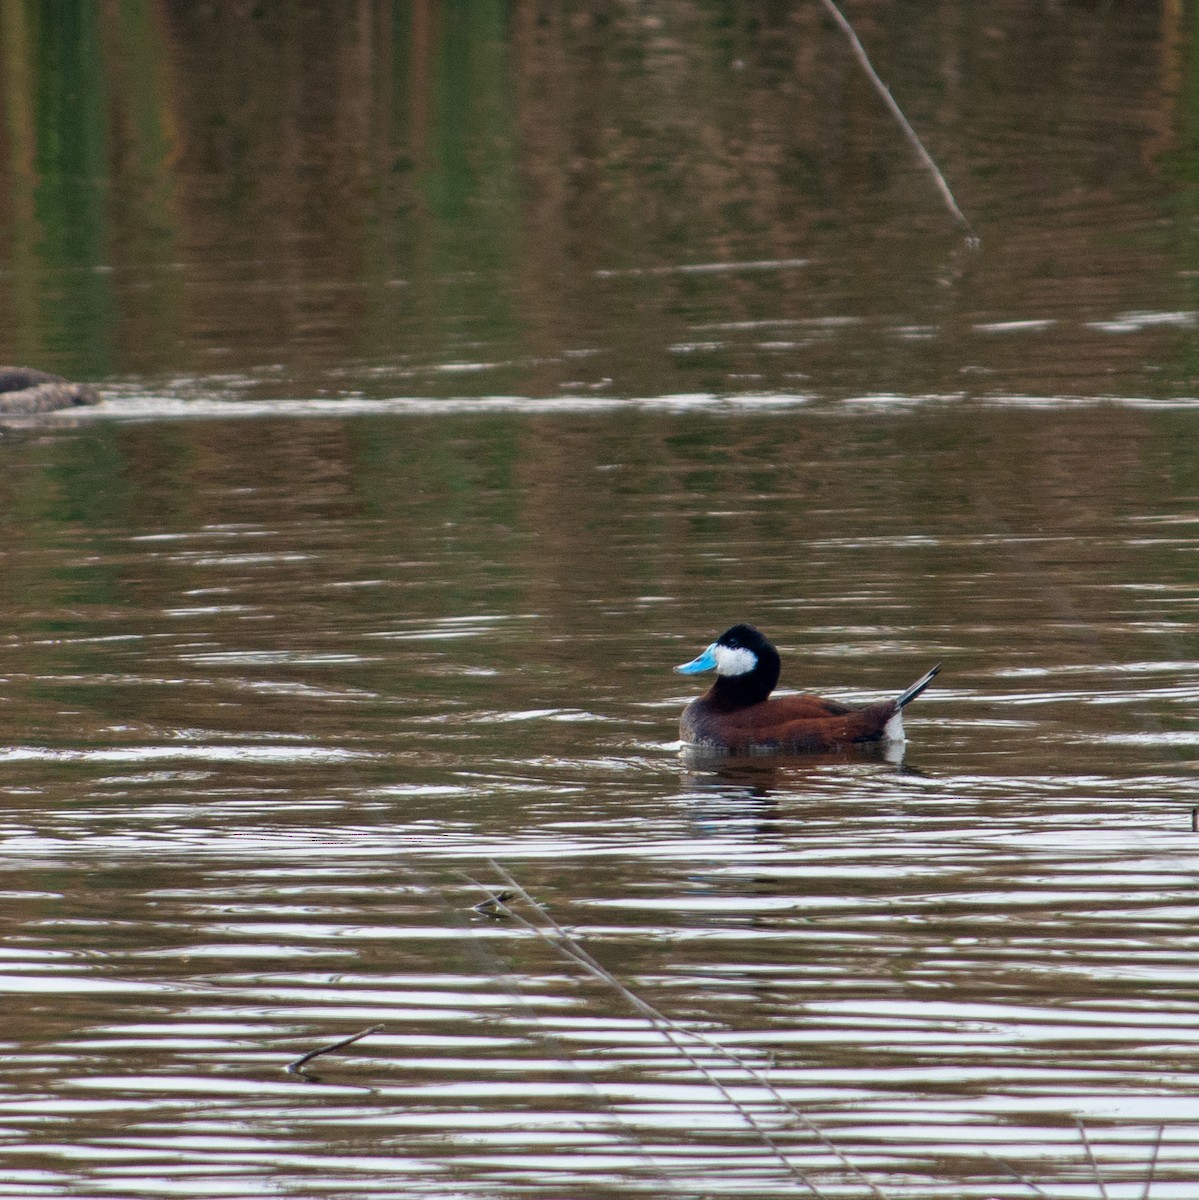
[(296, 1067), (1157, 1145), (1028, 1183), (477, 947), (882, 89), (568, 946), (494, 906), (1086, 1145), (674, 1033)]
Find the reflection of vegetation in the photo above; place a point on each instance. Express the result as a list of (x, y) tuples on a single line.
[(71, 133), (56, 99), (16, 79), (461, 195), (468, 180)]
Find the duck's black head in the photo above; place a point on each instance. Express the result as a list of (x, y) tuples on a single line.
[(746, 664)]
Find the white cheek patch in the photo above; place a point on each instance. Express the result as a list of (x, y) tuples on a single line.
[(731, 661)]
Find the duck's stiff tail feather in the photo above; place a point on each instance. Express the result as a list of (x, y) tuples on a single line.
[(916, 688)]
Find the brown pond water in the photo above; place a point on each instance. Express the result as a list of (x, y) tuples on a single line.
[(466, 368)]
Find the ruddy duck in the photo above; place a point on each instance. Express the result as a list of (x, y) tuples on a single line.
[(735, 713)]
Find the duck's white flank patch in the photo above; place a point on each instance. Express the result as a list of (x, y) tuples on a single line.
[(730, 661), (893, 729)]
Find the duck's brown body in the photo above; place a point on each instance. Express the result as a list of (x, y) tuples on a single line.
[(28, 390), (794, 723)]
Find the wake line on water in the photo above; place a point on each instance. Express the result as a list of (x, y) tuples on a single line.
[(167, 408)]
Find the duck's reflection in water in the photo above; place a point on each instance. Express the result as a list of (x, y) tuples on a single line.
[(731, 794)]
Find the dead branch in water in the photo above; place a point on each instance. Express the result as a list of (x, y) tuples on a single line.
[(494, 906), (863, 58), (297, 1067)]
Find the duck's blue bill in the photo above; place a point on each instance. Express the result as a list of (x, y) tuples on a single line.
[(705, 662)]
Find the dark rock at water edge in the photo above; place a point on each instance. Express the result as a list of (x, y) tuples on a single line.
[(28, 390)]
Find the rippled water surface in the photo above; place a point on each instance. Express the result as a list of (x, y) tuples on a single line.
[(292, 696), (466, 367)]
